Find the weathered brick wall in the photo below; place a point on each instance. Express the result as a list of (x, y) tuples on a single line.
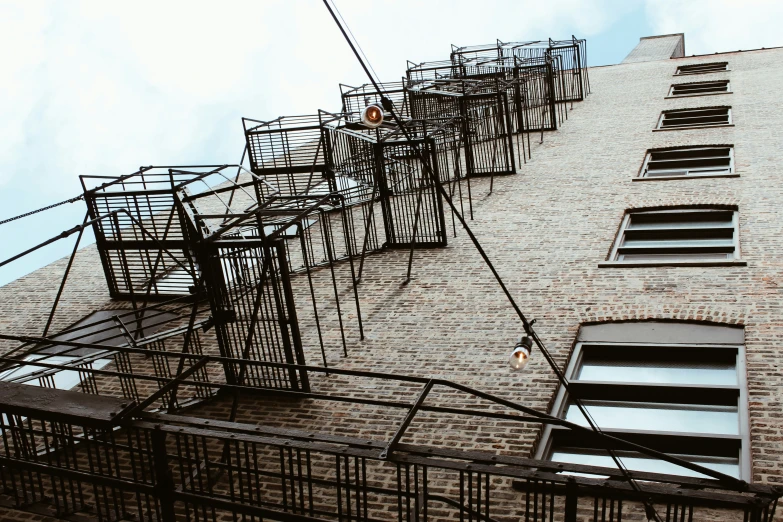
[(546, 229)]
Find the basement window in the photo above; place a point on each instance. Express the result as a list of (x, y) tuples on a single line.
[(699, 88), (695, 118), (675, 237), (688, 162), (661, 385), (701, 68)]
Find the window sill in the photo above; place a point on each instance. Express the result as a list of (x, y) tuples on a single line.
[(701, 127), (637, 264), (668, 178), (696, 95)]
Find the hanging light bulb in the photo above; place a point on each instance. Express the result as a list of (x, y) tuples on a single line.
[(372, 116), (520, 356)]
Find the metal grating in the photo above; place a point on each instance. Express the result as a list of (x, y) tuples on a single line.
[(141, 228), (252, 306)]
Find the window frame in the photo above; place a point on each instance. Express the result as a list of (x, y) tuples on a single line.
[(642, 174), (556, 436), (659, 125), (677, 71), (736, 259), (672, 87), (44, 377), (110, 332)]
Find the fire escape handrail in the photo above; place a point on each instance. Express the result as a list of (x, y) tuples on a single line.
[(534, 415)]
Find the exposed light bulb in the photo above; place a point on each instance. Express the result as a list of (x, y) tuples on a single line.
[(372, 116), (520, 356)]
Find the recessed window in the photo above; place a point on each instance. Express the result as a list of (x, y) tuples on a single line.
[(691, 162), (699, 88), (677, 236), (684, 397), (701, 68), (693, 118)]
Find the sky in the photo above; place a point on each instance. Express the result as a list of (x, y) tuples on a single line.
[(101, 88)]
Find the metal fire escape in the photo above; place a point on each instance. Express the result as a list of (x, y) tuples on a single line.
[(226, 269)]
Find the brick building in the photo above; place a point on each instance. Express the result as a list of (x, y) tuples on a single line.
[(640, 235)]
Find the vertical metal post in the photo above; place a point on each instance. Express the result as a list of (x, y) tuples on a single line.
[(509, 132), (578, 67), (164, 483), (306, 259), (384, 194), (291, 319), (348, 243), (65, 276), (552, 98), (572, 494), (281, 308)]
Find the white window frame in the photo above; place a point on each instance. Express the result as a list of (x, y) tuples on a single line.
[(662, 117), (697, 172), (690, 341), (678, 72), (676, 86), (733, 259)]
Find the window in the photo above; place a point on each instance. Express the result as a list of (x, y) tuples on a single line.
[(681, 236), (692, 118), (108, 327), (48, 377), (699, 88), (673, 387), (688, 162), (701, 68)]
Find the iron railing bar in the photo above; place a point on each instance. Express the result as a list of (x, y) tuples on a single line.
[(544, 417), (167, 388), (65, 276), (407, 420), (84, 476), (181, 362)]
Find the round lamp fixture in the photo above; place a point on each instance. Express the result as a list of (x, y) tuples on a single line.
[(520, 356), (372, 116)]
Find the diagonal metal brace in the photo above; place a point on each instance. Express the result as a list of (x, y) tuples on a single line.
[(407, 421), (167, 388)]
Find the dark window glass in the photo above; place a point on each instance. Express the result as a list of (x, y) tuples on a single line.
[(707, 235), (693, 89), (690, 118), (701, 68), (688, 161)]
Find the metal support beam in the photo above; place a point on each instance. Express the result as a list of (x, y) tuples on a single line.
[(164, 483), (407, 421)]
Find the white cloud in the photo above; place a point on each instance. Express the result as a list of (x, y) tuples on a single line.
[(95, 87), (719, 25), (103, 86)]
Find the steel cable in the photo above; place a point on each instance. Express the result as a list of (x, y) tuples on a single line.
[(72, 200)]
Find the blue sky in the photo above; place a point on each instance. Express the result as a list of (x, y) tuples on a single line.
[(611, 45), (101, 88)]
